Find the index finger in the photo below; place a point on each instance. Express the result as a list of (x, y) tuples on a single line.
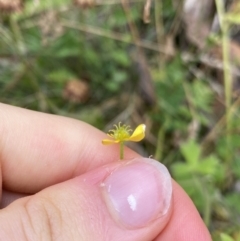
[(38, 150)]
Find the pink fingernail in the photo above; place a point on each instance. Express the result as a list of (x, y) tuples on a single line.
[(139, 192)]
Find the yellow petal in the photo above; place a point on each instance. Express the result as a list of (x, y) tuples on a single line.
[(138, 134), (109, 142)]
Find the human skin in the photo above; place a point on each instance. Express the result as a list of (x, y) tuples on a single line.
[(54, 171)]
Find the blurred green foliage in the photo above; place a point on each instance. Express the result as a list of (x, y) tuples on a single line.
[(46, 46)]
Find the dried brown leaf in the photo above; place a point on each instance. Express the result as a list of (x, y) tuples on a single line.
[(7, 6), (84, 3), (76, 91)]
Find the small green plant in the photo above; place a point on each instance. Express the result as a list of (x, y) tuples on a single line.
[(226, 237), (199, 176)]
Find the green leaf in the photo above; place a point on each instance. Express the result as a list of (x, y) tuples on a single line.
[(233, 18), (226, 237), (181, 170), (60, 76), (208, 166), (32, 8), (191, 151), (232, 200)]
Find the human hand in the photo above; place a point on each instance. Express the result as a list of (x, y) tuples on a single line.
[(71, 186)]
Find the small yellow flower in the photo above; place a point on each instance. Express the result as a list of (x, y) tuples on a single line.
[(121, 133)]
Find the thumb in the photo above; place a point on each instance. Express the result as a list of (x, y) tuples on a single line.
[(127, 200)]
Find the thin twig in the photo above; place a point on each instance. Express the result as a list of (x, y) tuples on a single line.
[(228, 82), (220, 124), (112, 2), (132, 26), (177, 19), (159, 29), (112, 35), (186, 56)]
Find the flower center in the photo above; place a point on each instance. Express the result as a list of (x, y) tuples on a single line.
[(120, 133)]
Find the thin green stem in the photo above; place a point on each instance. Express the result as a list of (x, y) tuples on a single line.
[(121, 150), (159, 30), (17, 35), (228, 82), (205, 193), (225, 49), (159, 146)]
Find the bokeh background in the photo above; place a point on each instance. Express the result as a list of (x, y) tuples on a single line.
[(173, 65)]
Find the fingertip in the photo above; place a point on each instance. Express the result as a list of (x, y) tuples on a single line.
[(138, 193), (185, 223)]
